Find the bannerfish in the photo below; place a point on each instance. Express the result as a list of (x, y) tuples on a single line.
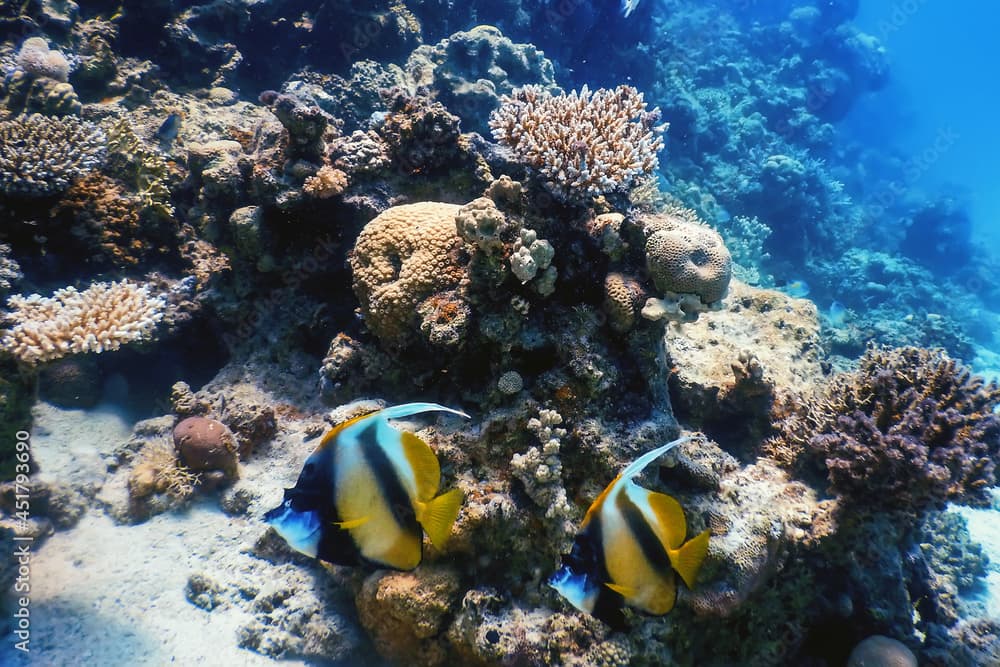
[(630, 544), (628, 6), (798, 289), (365, 493), (837, 314)]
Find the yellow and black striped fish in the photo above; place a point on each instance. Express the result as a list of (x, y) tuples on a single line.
[(630, 544), (365, 493)]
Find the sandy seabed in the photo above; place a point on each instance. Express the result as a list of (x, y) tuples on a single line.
[(106, 594)]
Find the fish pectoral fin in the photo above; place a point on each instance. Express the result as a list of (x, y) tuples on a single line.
[(670, 517), (437, 516), (423, 460), (624, 591), (688, 559), (353, 523)]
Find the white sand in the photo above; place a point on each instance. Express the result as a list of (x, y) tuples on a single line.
[(107, 594)]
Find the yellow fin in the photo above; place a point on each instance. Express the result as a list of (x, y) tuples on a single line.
[(423, 460), (663, 600), (353, 523), (625, 591), (670, 517), (437, 516), (688, 559)]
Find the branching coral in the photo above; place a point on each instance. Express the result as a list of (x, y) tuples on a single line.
[(583, 144), (40, 156), (102, 317), (911, 428)]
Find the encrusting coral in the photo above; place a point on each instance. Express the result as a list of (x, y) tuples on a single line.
[(40, 156), (582, 144), (102, 317)]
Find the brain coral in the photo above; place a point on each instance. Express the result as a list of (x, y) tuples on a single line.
[(686, 257), (40, 156), (583, 144), (909, 429), (406, 254), (102, 317)]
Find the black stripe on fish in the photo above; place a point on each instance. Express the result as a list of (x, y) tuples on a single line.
[(392, 489), (315, 490), (609, 606), (647, 540)]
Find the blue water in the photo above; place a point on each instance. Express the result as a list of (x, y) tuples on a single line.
[(941, 100)]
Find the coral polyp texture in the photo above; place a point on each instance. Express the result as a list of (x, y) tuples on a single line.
[(405, 255), (582, 144), (911, 428), (40, 155), (102, 317)]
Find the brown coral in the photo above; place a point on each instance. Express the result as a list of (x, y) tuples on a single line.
[(206, 444), (327, 182), (687, 258), (623, 297), (403, 256), (406, 612)]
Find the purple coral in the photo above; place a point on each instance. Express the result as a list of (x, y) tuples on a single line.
[(911, 428)]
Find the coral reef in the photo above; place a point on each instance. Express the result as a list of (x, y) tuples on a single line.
[(911, 428), (104, 316), (470, 71), (582, 144), (40, 156)]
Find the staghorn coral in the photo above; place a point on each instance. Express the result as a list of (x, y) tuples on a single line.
[(582, 144), (102, 317), (909, 429), (40, 156), (403, 256)]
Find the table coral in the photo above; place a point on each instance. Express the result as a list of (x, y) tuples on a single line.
[(582, 144), (102, 317)]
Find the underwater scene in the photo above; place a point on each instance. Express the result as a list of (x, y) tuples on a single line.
[(513, 333)]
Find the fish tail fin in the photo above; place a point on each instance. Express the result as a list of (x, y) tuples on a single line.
[(640, 463), (688, 559), (438, 515)]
